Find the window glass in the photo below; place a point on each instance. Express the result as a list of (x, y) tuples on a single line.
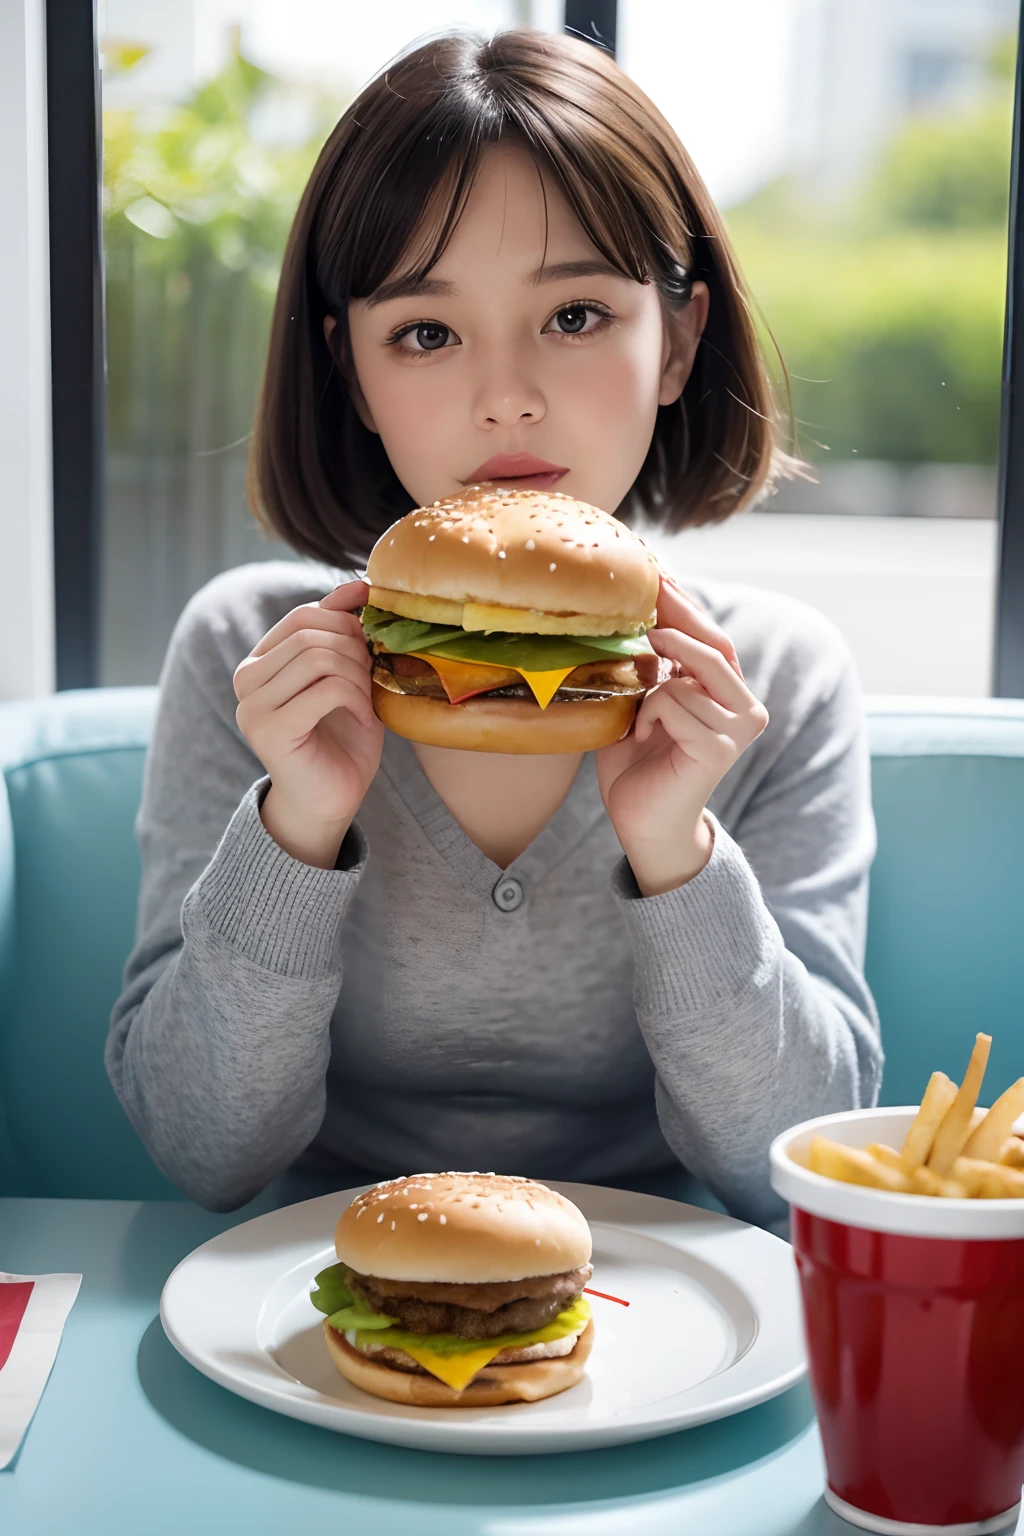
[(861, 152), (213, 114)]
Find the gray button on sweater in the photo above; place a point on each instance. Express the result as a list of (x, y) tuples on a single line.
[(417, 1008)]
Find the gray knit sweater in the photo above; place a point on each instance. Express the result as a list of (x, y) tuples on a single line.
[(417, 1007)]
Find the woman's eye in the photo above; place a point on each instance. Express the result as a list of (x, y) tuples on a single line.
[(572, 319), (577, 319), (428, 337)]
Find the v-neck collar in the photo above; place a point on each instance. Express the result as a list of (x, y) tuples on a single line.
[(569, 824)]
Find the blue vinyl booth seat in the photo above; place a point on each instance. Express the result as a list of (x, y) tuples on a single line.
[(945, 949)]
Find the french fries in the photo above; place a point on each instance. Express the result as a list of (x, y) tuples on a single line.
[(925, 1181), (989, 1181), (987, 1141), (952, 1134), (938, 1097), (854, 1166), (952, 1151)]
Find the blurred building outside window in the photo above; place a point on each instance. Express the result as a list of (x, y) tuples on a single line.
[(860, 149)]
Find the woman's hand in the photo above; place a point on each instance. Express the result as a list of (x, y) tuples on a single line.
[(304, 708), (689, 731)]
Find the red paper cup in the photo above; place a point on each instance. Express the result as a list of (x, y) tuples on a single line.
[(914, 1315)]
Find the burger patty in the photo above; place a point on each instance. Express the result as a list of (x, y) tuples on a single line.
[(484, 1296), (600, 679), (481, 1311)]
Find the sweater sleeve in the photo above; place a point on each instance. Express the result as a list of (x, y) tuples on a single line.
[(749, 979), (219, 1042)]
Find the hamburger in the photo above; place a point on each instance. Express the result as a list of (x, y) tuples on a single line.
[(510, 621), (459, 1290)]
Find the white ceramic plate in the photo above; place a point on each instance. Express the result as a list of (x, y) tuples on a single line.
[(713, 1326)]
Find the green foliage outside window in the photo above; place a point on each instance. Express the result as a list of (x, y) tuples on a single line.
[(888, 310), (197, 207)]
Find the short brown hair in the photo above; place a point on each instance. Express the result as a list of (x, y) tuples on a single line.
[(406, 152)]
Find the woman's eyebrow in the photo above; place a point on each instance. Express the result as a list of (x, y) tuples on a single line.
[(412, 287), (595, 267)]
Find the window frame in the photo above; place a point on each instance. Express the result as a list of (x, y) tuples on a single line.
[(595, 20), (77, 343), (1008, 643)]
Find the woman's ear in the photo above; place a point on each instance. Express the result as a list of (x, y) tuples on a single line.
[(683, 329), (348, 373)]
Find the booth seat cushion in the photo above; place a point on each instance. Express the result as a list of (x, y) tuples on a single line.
[(946, 928), (945, 949), (71, 777)]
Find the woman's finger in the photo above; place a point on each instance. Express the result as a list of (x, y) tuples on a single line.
[(260, 711), (306, 669), (689, 693), (346, 598), (677, 610), (712, 749), (303, 713), (706, 664), (255, 671), (308, 616)]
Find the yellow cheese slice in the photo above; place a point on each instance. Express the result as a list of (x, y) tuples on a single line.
[(545, 684), (456, 1371), (460, 678)]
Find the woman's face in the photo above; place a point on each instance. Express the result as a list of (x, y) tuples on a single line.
[(497, 355)]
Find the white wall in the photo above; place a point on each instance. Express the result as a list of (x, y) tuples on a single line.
[(914, 597), (26, 541), (849, 86)]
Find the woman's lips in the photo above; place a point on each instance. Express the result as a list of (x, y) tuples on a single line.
[(542, 482), (520, 471)]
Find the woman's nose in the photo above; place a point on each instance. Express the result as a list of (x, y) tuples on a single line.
[(507, 393)]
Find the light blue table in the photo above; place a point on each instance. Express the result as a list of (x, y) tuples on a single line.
[(130, 1439)]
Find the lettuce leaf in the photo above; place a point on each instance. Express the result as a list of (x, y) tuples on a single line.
[(530, 653), (573, 1320), (537, 653), (361, 1316), (400, 635), (344, 1310), (332, 1293)]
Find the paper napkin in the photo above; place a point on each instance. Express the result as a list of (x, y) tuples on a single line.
[(33, 1311)]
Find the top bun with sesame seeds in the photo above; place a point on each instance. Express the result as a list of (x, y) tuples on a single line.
[(510, 621), (551, 564), (462, 1228)]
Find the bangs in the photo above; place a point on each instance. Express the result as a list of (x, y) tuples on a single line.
[(414, 205), (381, 207)]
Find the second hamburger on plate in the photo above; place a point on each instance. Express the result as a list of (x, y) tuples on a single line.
[(510, 621), (459, 1290)]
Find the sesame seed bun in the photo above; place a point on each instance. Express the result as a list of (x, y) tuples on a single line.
[(462, 1228), (486, 724), (550, 563), (494, 1385)]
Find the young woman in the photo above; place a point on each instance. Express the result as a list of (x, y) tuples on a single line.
[(503, 250)]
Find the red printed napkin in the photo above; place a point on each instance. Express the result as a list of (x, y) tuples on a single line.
[(33, 1311)]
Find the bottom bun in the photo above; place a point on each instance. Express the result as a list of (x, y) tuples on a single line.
[(494, 1385), (507, 725)]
